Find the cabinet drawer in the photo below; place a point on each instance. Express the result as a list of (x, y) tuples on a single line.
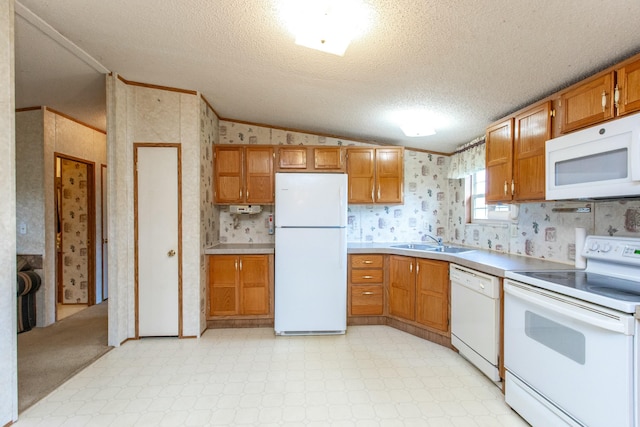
[(366, 276), (366, 261), (366, 300)]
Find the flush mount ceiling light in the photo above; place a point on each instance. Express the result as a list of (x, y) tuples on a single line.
[(325, 25), (416, 123)]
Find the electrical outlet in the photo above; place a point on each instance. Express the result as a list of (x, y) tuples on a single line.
[(513, 230), (22, 228)]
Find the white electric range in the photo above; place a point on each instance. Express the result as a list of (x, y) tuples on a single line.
[(571, 345)]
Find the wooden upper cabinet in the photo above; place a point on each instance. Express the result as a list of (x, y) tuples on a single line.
[(515, 150), (376, 175), (309, 158), (389, 175), (294, 158), (499, 161), (229, 177), (628, 88), (327, 158), (532, 130), (259, 177), (402, 287), (244, 174), (432, 293), (361, 163), (589, 103)]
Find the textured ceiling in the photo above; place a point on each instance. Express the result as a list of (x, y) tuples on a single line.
[(469, 62)]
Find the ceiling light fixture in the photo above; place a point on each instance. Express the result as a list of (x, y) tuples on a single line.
[(417, 123), (325, 25)]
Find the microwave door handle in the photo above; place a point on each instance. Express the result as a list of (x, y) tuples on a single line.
[(556, 305)]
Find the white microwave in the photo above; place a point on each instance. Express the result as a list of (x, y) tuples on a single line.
[(598, 162)]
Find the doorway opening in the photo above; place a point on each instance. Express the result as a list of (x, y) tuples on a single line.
[(75, 234)]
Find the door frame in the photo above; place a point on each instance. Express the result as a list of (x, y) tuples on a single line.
[(91, 227), (104, 241), (178, 147)]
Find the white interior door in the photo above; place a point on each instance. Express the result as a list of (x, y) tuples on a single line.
[(158, 233)]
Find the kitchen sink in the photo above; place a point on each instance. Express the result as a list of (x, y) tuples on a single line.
[(416, 247), (452, 249), (444, 248)]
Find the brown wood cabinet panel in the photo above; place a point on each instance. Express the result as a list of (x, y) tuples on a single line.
[(367, 261), (432, 293), (583, 104), (499, 161), (361, 170), (292, 157), (402, 287), (254, 284), (532, 130), (389, 175), (259, 174), (367, 276), (223, 289), (239, 285), (229, 182), (366, 300), (628, 85), (327, 158)]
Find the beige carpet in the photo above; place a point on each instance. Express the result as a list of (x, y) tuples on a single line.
[(47, 357)]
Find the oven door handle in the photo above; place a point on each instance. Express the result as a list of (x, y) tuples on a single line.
[(571, 308)]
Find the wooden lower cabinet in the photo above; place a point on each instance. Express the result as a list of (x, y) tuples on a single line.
[(402, 287), (432, 293), (419, 291), (239, 285), (366, 285)]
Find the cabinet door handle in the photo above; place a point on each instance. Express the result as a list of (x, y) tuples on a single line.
[(367, 277), (513, 187), (368, 261), (604, 100), (411, 267), (616, 96), (505, 187), (372, 190), (240, 264), (417, 268), (236, 264), (378, 191), (367, 293)]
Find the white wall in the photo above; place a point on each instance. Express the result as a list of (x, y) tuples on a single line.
[(138, 114), (8, 326)]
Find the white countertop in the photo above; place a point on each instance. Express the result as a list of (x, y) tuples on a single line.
[(494, 263)]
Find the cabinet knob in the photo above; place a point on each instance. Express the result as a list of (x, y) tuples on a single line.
[(171, 253)]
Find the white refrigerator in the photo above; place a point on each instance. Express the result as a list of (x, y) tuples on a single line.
[(311, 254)]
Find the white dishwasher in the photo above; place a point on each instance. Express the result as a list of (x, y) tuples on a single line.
[(475, 318)]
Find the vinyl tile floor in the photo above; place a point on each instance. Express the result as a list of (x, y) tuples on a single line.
[(372, 376)]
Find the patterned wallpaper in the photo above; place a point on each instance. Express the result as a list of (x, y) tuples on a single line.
[(423, 212), (74, 226), (435, 205), (209, 213)]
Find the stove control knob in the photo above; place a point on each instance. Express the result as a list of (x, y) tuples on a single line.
[(594, 246), (606, 247)]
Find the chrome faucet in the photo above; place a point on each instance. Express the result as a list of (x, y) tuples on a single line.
[(435, 239)]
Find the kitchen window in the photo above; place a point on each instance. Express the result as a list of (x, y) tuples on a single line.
[(480, 210)]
